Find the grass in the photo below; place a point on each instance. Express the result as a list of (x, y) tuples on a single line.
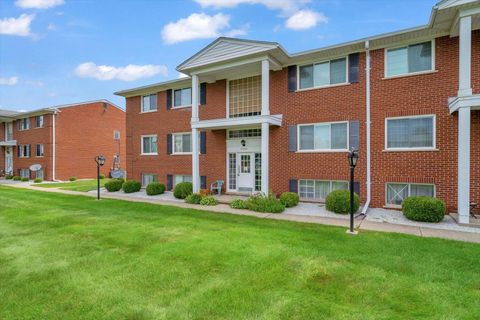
[(72, 257), (79, 185)]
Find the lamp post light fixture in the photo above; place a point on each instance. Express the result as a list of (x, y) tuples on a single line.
[(100, 160), (352, 160)]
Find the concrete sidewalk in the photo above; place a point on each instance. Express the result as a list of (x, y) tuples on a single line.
[(361, 223)]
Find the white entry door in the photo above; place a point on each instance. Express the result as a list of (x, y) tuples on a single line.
[(246, 172), (8, 160)]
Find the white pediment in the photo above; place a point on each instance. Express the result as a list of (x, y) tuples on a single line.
[(224, 49), (445, 4)]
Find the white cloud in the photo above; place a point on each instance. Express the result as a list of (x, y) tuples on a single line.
[(17, 26), (130, 72), (305, 19), (286, 6), (38, 4), (52, 27), (9, 81), (238, 32)]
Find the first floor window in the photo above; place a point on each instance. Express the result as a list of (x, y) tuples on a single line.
[(39, 150), (149, 145), (39, 121), (324, 136), (414, 132), (181, 178), (409, 59), (318, 190), (232, 171), (148, 178), (25, 173), (182, 97), (24, 151), (323, 74), (182, 142), (149, 103), (23, 124), (397, 192)]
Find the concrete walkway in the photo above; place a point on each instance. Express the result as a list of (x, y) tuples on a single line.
[(303, 213)]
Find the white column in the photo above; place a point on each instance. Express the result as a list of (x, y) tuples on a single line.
[(195, 146), (465, 67), (265, 148), (464, 165), (265, 87)]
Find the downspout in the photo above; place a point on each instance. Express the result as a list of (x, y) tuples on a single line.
[(53, 146), (367, 103)]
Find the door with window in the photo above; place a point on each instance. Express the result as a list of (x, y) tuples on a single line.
[(8, 160), (246, 172)]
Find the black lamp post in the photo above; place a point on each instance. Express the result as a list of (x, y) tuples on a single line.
[(352, 160), (100, 160)]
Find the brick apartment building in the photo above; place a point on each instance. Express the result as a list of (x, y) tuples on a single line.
[(260, 118), (64, 140)]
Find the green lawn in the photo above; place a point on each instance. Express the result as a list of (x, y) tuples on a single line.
[(72, 257), (79, 185)]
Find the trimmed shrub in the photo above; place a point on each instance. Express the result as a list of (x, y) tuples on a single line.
[(262, 203), (338, 201), (114, 185), (72, 179), (101, 176), (155, 188), (289, 199), (37, 180), (17, 178), (9, 177), (24, 179), (194, 198), (423, 208), (237, 204), (131, 186), (182, 190), (208, 201)]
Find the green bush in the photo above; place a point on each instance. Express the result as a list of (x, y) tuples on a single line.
[(114, 185), (155, 188), (338, 201), (131, 186), (238, 204), (182, 190), (101, 176), (37, 180), (262, 203), (8, 177), (17, 178), (194, 198), (208, 201), (24, 179), (422, 208), (72, 179), (289, 199)]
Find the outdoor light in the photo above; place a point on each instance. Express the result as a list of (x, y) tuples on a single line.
[(243, 142), (352, 160), (100, 160)]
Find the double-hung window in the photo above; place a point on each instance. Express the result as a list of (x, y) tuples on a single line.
[(23, 124), (148, 178), (181, 178), (39, 122), (182, 143), (323, 74), (39, 150), (409, 59), (323, 136), (410, 132), (24, 151), (318, 190), (149, 145), (149, 103), (182, 97), (25, 173), (397, 192)]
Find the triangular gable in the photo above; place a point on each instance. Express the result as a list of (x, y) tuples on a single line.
[(445, 4)]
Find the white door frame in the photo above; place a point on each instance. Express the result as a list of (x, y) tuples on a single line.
[(7, 157)]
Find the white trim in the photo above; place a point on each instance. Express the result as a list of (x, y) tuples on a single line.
[(329, 135), (409, 186), (411, 74), (183, 105), (173, 143), (432, 148), (406, 45), (54, 147), (224, 123), (141, 145), (141, 103), (319, 180), (43, 150), (326, 85)]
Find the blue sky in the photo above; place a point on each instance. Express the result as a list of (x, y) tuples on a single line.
[(56, 52)]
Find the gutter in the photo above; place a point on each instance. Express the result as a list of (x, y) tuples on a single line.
[(367, 107)]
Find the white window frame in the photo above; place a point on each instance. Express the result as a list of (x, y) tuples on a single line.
[(141, 144), (42, 121), (183, 105), (181, 175), (314, 180), (20, 127), (25, 170), (148, 174), (141, 103), (183, 133), (330, 133), (42, 149), (385, 59), (433, 148), (409, 185), (326, 85), (22, 150), (116, 135)]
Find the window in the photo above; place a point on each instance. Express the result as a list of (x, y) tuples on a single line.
[(397, 192), (323, 136), (39, 174), (323, 74), (25, 173), (232, 171), (245, 97), (149, 103), (258, 171), (318, 190), (182, 97), (149, 144), (410, 133), (148, 178), (181, 178), (409, 59), (24, 151), (39, 122), (245, 133), (23, 124), (39, 150), (116, 135), (182, 143)]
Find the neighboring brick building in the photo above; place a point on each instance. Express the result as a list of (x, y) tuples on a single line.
[(64, 140), (260, 118)]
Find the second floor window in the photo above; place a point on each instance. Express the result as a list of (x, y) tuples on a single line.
[(182, 97), (149, 144), (149, 103), (323, 74), (39, 150), (39, 122), (24, 124), (182, 143), (323, 136), (410, 133), (409, 59)]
